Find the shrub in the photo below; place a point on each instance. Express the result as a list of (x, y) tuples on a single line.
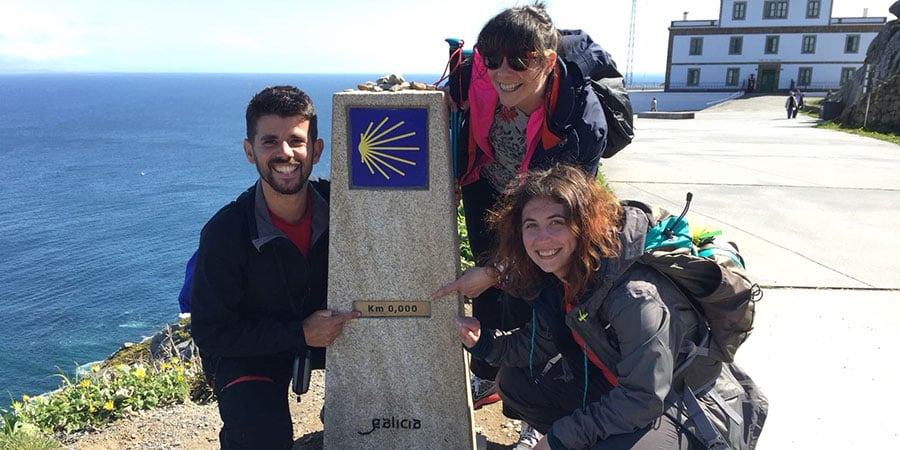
[(15, 435), (27, 441), (104, 395)]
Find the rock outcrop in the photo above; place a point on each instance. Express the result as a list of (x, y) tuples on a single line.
[(173, 340), (883, 58)]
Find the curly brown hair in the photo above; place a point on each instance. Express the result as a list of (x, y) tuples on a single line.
[(591, 212)]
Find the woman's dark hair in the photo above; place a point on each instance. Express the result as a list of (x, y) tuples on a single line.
[(591, 212), (283, 101), (518, 30)]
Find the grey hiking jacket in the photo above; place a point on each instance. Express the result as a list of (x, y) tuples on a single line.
[(636, 347)]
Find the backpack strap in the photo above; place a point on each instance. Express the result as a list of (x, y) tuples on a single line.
[(711, 438)]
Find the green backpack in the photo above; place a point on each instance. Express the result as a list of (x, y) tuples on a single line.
[(711, 396), (711, 273)]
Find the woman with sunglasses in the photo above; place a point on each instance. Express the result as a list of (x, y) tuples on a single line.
[(527, 103), (594, 367)]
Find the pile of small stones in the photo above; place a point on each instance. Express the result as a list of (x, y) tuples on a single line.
[(393, 83)]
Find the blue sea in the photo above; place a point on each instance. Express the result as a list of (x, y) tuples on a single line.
[(105, 183)]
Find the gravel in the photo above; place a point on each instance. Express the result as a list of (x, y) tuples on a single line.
[(195, 426)]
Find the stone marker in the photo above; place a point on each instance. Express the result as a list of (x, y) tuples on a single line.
[(396, 378)]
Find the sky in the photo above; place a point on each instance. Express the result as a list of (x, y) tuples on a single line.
[(314, 36)]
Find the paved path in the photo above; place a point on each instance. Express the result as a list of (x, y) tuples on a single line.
[(816, 214)]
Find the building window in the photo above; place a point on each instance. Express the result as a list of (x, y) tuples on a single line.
[(804, 76), (847, 74), (809, 44), (775, 10), (851, 45), (693, 77), (812, 9), (740, 11), (771, 45), (736, 45), (696, 46), (732, 76)]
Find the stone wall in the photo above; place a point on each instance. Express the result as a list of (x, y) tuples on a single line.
[(883, 57)]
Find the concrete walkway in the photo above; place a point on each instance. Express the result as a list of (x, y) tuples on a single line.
[(816, 214)]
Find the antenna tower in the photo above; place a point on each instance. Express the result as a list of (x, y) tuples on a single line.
[(629, 65)]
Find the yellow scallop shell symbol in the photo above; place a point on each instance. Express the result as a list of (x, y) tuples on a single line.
[(377, 156)]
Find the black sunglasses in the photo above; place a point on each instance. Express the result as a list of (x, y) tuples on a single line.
[(517, 63)]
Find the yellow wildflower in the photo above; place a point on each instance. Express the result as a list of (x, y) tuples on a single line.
[(85, 383), (109, 406), (95, 368), (25, 399), (140, 372), (91, 409), (165, 366)]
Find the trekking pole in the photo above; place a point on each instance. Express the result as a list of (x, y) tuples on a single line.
[(687, 204), (455, 47)]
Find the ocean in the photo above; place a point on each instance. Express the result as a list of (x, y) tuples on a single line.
[(105, 183)]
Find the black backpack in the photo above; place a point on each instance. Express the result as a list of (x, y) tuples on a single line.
[(609, 85)]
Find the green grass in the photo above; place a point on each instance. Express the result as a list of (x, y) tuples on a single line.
[(16, 435), (27, 441), (811, 109), (888, 137), (104, 395)]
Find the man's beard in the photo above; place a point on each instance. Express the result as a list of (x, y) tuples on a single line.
[(295, 186)]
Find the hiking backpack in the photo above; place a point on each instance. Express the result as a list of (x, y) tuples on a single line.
[(711, 396), (609, 86)]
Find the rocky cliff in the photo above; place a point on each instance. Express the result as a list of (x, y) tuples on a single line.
[(883, 58)]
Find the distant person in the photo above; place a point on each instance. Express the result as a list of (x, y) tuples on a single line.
[(751, 83), (260, 278), (798, 99), (594, 368), (527, 105), (653, 105), (790, 104)]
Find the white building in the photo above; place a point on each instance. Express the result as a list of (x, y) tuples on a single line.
[(768, 45)]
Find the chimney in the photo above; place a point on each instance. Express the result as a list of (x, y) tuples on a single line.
[(685, 15)]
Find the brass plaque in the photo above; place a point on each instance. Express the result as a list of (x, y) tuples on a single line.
[(385, 308)]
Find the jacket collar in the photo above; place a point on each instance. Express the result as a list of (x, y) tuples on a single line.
[(632, 236), (267, 231), (483, 102)]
